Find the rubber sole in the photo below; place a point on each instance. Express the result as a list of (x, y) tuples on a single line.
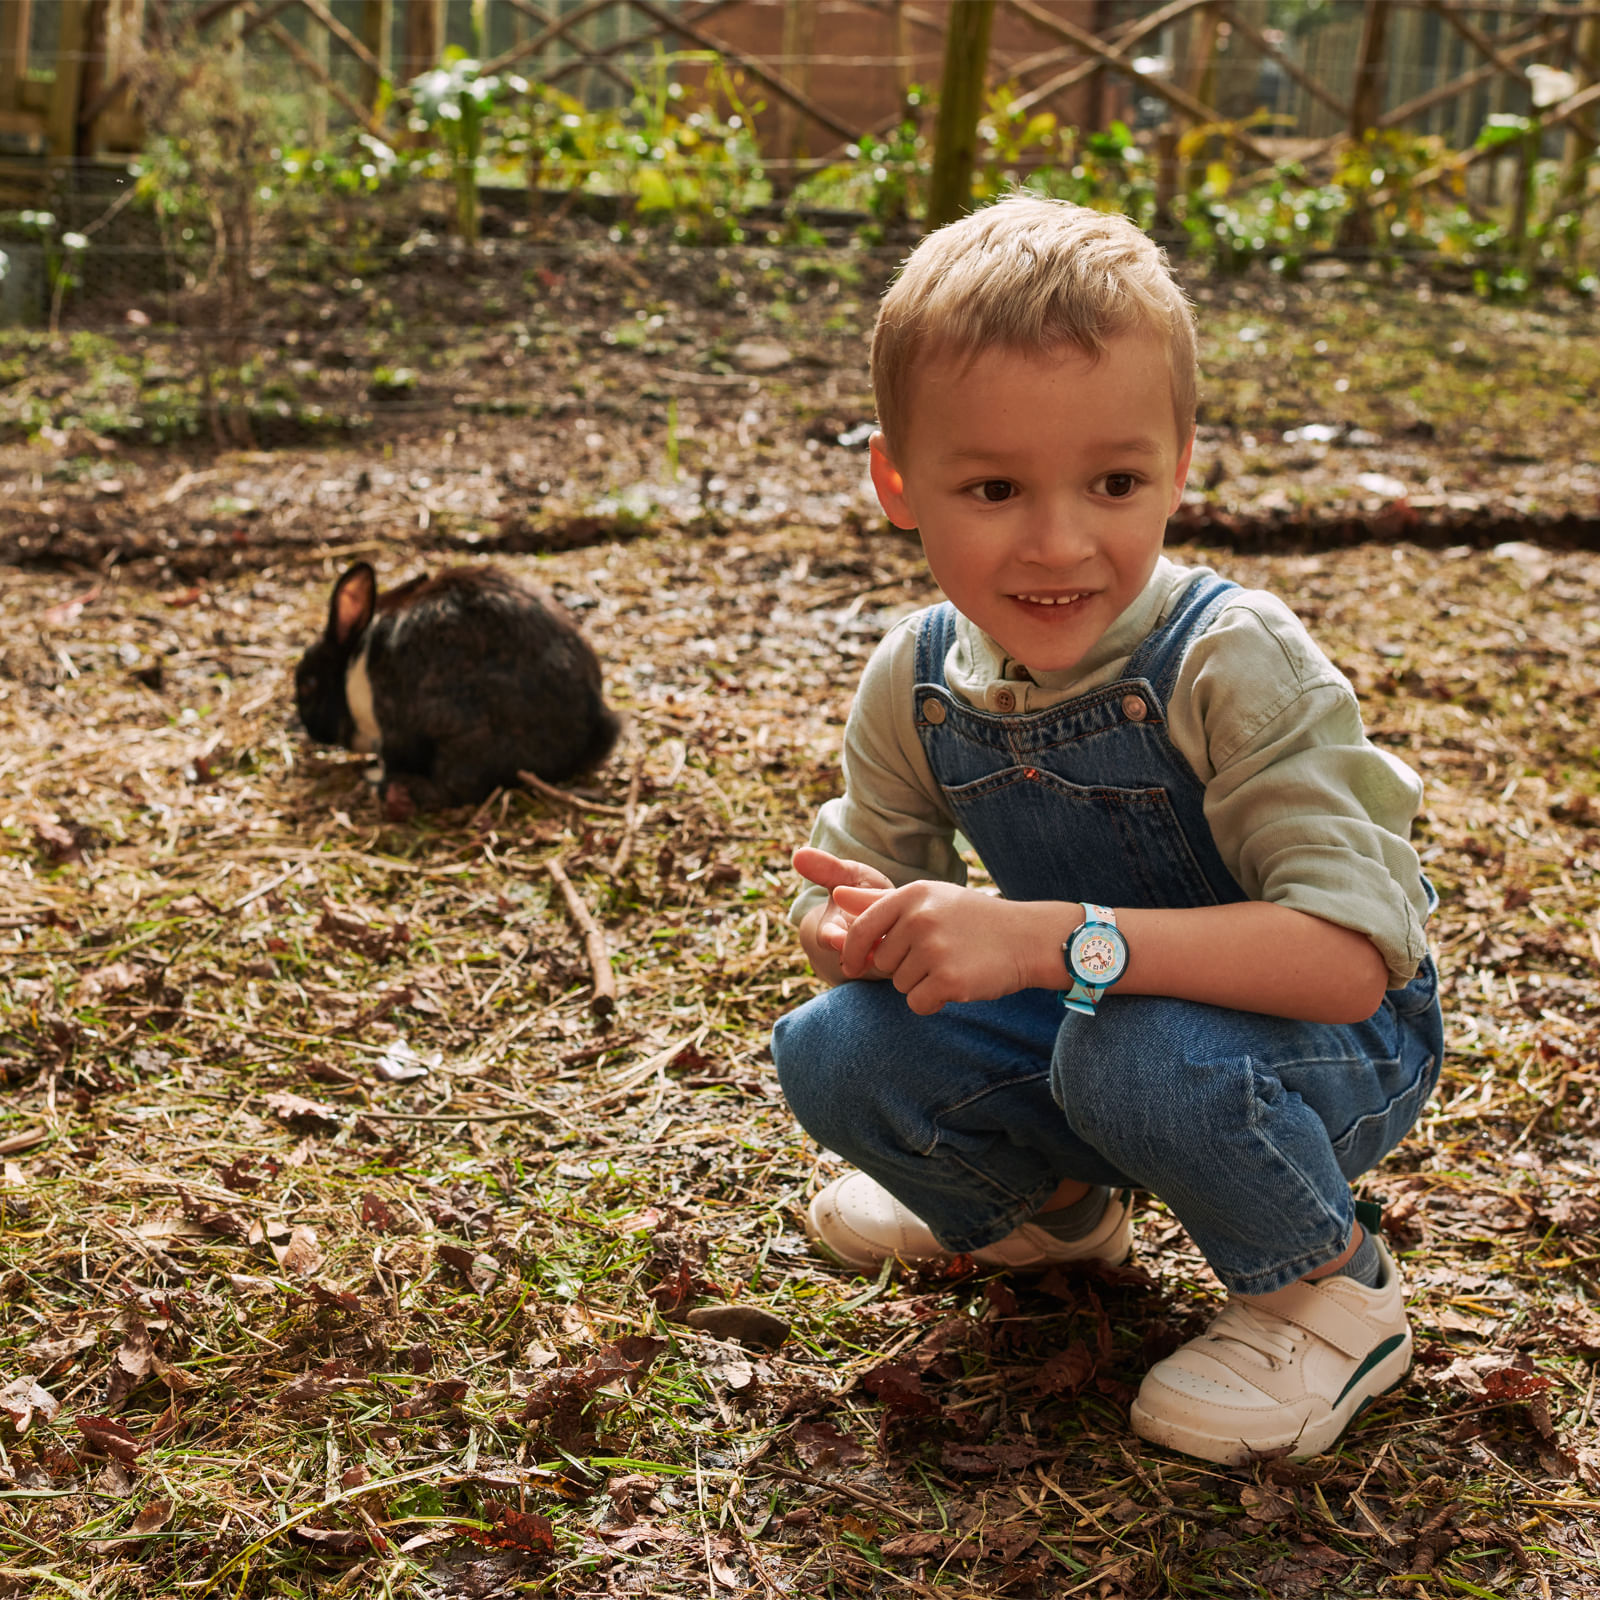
[(1120, 1242), (1312, 1440)]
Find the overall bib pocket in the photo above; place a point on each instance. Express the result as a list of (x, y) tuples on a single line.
[(1118, 846)]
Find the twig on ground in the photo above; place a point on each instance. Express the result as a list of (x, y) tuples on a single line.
[(550, 792), (630, 812), (849, 1491), (460, 1116), (604, 1000)]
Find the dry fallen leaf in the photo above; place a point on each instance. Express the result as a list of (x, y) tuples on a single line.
[(820, 1444), (401, 1064), (102, 981), (293, 1108), (114, 1480), (152, 1516), (478, 1268), (334, 1541), (302, 1254), (111, 1437), (22, 1399), (133, 1364)]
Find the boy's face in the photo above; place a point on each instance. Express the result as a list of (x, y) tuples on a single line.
[(1041, 486)]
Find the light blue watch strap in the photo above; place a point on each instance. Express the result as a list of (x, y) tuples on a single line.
[(1110, 953)]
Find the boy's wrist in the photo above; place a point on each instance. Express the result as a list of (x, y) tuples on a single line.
[(1047, 927)]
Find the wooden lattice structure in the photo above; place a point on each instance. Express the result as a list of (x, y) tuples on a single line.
[(832, 71)]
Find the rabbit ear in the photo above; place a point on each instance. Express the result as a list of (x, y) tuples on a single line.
[(354, 596)]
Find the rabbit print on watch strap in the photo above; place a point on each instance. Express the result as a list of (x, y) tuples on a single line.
[(1097, 955)]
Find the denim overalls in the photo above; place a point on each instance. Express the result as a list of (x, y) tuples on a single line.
[(1249, 1127)]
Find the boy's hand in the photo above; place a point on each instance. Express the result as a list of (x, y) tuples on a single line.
[(831, 872), (939, 942)]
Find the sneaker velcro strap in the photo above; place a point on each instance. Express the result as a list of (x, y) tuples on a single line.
[(1319, 1312)]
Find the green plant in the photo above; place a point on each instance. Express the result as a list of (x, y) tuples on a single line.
[(1108, 170), (1281, 220), (453, 102), (357, 163), (1011, 142), (677, 151), (1378, 175), (350, 184), (694, 153), (211, 172), (884, 175), (62, 251)]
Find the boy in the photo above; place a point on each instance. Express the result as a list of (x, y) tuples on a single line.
[(1208, 976)]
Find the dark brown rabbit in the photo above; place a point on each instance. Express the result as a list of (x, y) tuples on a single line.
[(456, 682)]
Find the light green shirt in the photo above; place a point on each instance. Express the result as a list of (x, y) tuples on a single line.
[(1305, 811)]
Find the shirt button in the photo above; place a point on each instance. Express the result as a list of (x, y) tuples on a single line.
[(1134, 708), (1005, 700), (933, 710)]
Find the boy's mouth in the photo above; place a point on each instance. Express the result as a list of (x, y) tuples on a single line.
[(1053, 599)]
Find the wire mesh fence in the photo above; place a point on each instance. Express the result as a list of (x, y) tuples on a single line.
[(821, 73), (228, 177)]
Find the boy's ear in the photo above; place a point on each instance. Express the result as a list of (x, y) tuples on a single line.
[(890, 485), (1181, 475)]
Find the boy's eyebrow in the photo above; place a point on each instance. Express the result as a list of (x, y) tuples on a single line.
[(1139, 444)]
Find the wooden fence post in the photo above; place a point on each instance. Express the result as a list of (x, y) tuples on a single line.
[(1204, 25), (799, 32), (1465, 131), (1100, 24), (902, 48), (102, 32), (377, 34), (66, 97), (424, 38), (1408, 53), (1199, 77), (16, 21), (1366, 99), (966, 62), (1579, 150), (317, 43)]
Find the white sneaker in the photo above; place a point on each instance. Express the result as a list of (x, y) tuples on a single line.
[(860, 1224), (1282, 1373)]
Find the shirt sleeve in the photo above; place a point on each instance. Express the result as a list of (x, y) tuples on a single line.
[(891, 815), (1305, 810)]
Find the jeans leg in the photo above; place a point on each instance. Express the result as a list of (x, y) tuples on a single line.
[(1249, 1127), (952, 1113)]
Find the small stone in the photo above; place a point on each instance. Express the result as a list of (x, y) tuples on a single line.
[(760, 355), (750, 1325)]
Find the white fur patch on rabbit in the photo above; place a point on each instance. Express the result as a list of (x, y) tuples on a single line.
[(358, 691)]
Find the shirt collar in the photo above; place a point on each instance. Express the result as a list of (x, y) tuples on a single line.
[(978, 661)]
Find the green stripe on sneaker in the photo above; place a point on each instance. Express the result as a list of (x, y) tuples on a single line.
[(1384, 1350)]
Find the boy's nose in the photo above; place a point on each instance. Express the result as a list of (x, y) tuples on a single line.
[(1056, 538)]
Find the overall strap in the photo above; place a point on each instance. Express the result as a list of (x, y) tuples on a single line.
[(1161, 654), (935, 635)]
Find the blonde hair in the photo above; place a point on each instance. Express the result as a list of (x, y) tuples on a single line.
[(1029, 274)]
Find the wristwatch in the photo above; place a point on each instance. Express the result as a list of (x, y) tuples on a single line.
[(1097, 955)]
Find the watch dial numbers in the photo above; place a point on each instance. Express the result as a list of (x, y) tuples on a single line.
[(1098, 956)]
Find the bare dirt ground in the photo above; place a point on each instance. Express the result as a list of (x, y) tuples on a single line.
[(346, 1250)]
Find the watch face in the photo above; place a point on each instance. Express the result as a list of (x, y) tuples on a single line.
[(1098, 954)]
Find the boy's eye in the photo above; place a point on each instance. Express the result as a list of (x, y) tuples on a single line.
[(996, 490), (1119, 485)]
